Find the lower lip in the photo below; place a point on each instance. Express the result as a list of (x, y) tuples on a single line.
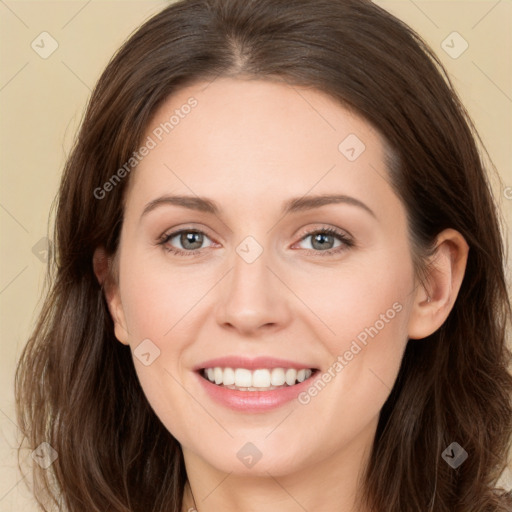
[(253, 401)]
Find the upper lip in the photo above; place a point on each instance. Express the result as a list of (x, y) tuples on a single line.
[(251, 363)]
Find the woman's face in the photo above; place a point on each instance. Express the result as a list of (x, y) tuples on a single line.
[(262, 285)]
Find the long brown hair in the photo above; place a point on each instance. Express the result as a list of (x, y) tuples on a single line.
[(76, 386)]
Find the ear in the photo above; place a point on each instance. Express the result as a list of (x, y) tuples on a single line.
[(102, 265), (432, 306)]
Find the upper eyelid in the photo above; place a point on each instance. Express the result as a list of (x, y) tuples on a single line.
[(339, 232), (174, 232)]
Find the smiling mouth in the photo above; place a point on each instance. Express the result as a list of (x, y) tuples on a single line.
[(262, 379)]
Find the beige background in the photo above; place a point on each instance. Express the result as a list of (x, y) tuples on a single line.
[(41, 104)]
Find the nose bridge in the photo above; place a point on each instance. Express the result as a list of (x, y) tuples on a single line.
[(251, 296)]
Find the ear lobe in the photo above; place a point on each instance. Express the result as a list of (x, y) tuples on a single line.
[(102, 264), (446, 272)]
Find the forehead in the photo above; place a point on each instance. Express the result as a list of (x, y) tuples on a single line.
[(244, 138)]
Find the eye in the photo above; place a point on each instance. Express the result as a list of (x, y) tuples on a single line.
[(190, 239), (322, 241)]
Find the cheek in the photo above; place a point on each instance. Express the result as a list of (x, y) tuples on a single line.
[(157, 297), (156, 301), (369, 319), (357, 381), (370, 307), (365, 299)]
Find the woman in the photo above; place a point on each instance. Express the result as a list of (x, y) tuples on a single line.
[(249, 371)]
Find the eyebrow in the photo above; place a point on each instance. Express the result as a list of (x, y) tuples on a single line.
[(293, 205)]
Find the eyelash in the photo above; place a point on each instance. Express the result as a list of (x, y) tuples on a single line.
[(347, 242)]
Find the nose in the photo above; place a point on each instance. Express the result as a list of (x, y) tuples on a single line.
[(253, 298)]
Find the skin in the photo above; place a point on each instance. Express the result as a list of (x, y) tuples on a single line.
[(250, 145)]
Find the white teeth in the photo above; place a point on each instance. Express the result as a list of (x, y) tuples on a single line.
[(290, 376), (228, 377), (243, 378), (218, 375), (277, 377), (261, 379)]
